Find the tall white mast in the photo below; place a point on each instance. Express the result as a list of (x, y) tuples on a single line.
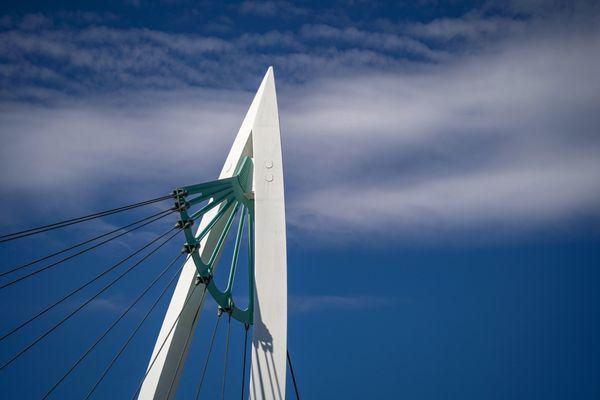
[(258, 137), (269, 340)]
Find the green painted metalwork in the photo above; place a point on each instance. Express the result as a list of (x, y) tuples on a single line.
[(233, 197)]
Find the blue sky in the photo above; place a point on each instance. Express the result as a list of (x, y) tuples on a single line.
[(441, 167)]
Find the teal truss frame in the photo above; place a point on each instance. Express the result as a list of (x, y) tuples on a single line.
[(232, 196)]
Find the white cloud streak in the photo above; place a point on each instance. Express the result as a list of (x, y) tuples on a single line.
[(473, 27), (270, 9), (507, 139), (504, 138)]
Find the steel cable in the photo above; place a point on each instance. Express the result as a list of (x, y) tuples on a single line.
[(165, 341), (134, 332), (114, 323), (289, 360), (13, 269), (106, 287), (33, 231), (226, 354), (246, 327), (187, 340), (212, 341), (79, 252), (73, 292)]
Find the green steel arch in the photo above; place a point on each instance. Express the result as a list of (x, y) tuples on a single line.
[(233, 197)]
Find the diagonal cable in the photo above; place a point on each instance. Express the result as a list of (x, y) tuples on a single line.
[(187, 340), (79, 253), (73, 292), (289, 360), (33, 231), (106, 287), (226, 354), (212, 341), (165, 341), (246, 327), (114, 323), (134, 332), (13, 269)]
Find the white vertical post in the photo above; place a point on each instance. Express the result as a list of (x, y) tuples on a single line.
[(269, 341), (257, 136)]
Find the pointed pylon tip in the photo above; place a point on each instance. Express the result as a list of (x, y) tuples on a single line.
[(269, 75), (270, 71)]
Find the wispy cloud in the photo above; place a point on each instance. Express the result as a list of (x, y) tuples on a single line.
[(378, 41), (110, 305), (471, 27), (500, 138), (99, 57), (504, 139), (269, 9)]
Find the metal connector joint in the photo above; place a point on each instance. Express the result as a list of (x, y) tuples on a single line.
[(179, 192), (182, 224), (181, 205), (190, 248), (205, 280), (221, 310)]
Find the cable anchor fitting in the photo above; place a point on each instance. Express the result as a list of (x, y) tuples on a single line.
[(205, 280), (182, 224), (181, 205), (221, 310), (190, 248), (179, 193)]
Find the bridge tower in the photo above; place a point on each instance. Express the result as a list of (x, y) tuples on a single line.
[(258, 140)]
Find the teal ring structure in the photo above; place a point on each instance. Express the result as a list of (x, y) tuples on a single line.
[(231, 196)]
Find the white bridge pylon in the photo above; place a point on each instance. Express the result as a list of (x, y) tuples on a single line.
[(259, 138)]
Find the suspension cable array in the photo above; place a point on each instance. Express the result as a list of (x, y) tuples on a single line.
[(61, 224), (133, 333), (112, 325), (153, 360), (135, 274), (80, 288), (62, 260), (159, 215), (221, 202)]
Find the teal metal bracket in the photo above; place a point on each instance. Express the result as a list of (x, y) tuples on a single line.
[(232, 197)]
